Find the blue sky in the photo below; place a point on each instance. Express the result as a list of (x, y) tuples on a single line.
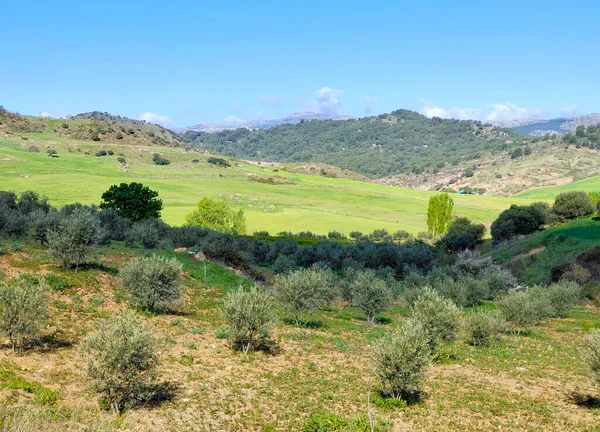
[(182, 62)]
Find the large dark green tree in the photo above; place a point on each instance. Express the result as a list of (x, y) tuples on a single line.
[(132, 201)]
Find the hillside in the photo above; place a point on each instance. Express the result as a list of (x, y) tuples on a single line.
[(400, 142), (291, 201), (94, 127)]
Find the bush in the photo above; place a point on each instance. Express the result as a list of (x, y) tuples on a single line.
[(218, 162), (249, 316), (33, 149), (72, 241), (483, 328), (159, 160), (517, 220), (122, 160), (370, 294), (462, 234), (439, 317), (101, 153), (304, 291), (23, 307), (122, 360), (525, 309), (149, 233), (402, 358), (153, 283), (119, 136), (591, 354), (115, 226), (562, 296), (573, 205), (40, 223), (284, 264)]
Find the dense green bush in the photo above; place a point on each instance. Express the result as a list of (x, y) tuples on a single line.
[(572, 205), (41, 222), (153, 283), (249, 316), (462, 234), (304, 291), (402, 358), (218, 162), (122, 360), (72, 241), (23, 307), (562, 296), (149, 233), (439, 317), (370, 294), (483, 328), (517, 220), (159, 160)]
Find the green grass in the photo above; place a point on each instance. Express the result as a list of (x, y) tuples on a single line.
[(555, 245), (318, 204), (591, 184)]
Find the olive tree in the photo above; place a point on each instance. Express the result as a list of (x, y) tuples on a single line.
[(153, 283), (249, 316), (122, 360), (23, 308), (370, 294)]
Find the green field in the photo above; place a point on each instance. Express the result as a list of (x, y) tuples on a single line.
[(591, 184), (301, 202)]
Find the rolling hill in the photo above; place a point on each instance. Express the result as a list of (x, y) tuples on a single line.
[(540, 127)]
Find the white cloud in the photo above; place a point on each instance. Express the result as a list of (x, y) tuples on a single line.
[(433, 111), (491, 112), (162, 120), (570, 110), (326, 100), (232, 120), (270, 100), (45, 114), (368, 103)]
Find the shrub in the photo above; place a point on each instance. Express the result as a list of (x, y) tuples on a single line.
[(40, 223), (304, 291), (122, 160), (402, 358), (483, 328), (249, 316), (462, 234), (101, 153), (23, 307), (562, 296), (153, 283), (517, 220), (573, 205), (33, 149), (591, 354), (355, 235), (115, 226), (218, 161), (110, 152), (149, 233), (159, 160), (121, 360), (439, 317), (195, 161), (284, 264), (72, 241), (370, 294), (525, 309), (119, 136)]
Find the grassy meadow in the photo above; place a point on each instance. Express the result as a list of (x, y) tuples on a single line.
[(296, 202), (591, 184)]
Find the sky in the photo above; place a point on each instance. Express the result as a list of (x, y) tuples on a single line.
[(179, 63)]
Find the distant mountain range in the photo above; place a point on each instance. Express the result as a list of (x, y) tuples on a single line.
[(263, 124), (539, 127)]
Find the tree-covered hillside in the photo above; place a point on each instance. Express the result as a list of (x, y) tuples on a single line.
[(401, 142)]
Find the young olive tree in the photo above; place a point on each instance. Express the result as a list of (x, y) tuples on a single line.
[(23, 308), (304, 291), (73, 239), (439, 316), (591, 354), (402, 358), (370, 294), (484, 328), (249, 316), (153, 283), (121, 360)]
